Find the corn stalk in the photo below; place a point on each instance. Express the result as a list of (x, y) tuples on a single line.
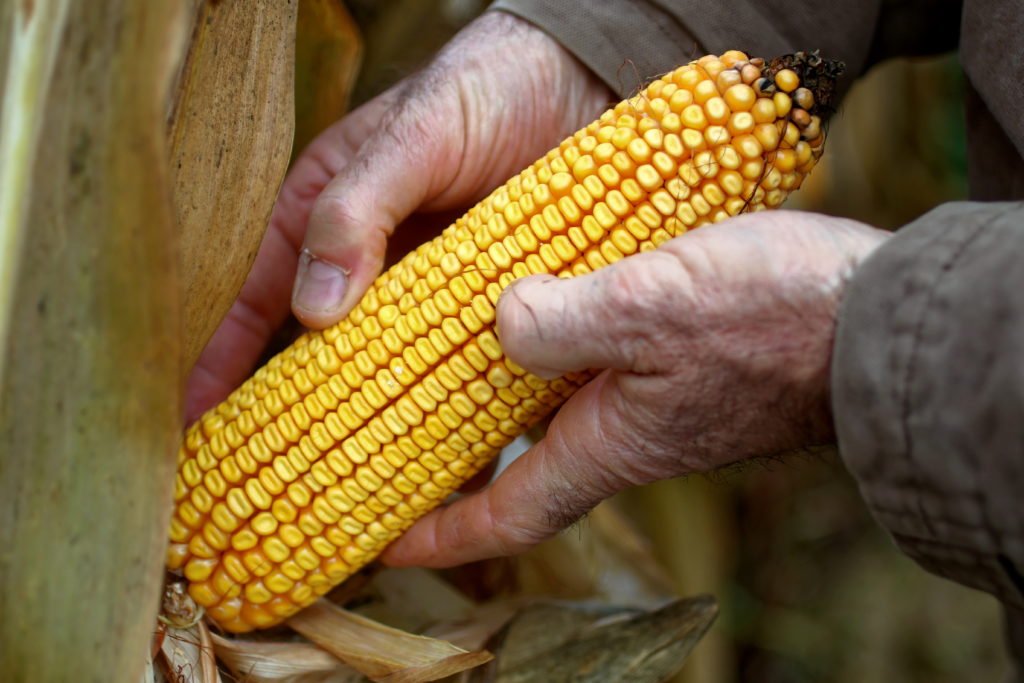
[(89, 334), (28, 48)]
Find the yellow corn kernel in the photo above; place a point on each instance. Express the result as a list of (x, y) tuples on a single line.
[(787, 80)]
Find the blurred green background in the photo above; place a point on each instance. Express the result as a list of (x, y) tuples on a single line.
[(810, 588)]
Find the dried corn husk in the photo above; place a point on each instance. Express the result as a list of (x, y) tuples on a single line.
[(283, 662), (188, 655), (380, 652), (597, 643), (230, 136)]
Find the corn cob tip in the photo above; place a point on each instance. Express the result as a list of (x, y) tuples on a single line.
[(808, 72)]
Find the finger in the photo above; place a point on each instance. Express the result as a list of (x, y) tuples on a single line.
[(226, 360), (543, 491), (458, 127), (410, 157), (610, 318), (263, 303)]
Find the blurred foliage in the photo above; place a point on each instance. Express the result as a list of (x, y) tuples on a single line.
[(811, 589), (402, 35), (895, 148), (328, 52)]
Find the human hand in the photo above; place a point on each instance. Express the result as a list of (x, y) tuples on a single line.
[(716, 346), (498, 96)]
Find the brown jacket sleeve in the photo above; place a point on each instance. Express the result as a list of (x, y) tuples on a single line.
[(928, 394)]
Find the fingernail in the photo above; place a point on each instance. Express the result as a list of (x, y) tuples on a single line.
[(319, 285)]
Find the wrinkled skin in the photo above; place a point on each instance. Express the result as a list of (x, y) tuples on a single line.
[(495, 99), (715, 347)]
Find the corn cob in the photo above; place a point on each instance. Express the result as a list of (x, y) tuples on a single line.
[(335, 447)]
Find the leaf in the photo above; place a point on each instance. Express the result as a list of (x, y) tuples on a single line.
[(410, 598), (266, 662), (601, 557), (380, 652), (230, 138), (148, 671), (474, 630), (33, 37), (188, 655), (598, 644)]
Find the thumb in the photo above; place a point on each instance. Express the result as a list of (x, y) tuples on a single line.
[(610, 318), (398, 168), (574, 467)]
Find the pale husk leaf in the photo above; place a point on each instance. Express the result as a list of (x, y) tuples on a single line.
[(29, 42), (282, 662), (411, 599), (601, 557), (188, 655), (380, 652), (149, 671), (473, 631)]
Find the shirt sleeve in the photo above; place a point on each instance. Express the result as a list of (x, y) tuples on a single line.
[(928, 392), (628, 42)]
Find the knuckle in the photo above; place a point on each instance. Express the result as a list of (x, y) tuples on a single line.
[(421, 114), (509, 531), (642, 300), (641, 290), (332, 211)]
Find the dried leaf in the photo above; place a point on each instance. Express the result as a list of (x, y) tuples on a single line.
[(602, 557), (629, 573), (33, 36), (230, 138), (264, 662), (598, 644), (209, 659), (437, 670), (472, 631), (188, 655), (380, 652), (412, 599)]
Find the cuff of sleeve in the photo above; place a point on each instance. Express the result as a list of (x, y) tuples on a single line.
[(625, 42), (927, 385)]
